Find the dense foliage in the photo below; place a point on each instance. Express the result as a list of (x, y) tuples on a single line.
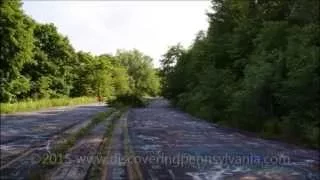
[(38, 62), (256, 68)]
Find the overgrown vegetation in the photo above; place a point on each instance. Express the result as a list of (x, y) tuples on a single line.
[(128, 100), (97, 167), (42, 103), (72, 139), (59, 150), (37, 62), (256, 68)]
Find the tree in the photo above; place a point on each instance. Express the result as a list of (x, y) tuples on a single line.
[(16, 49), (256, 68), (142, 77), (54, 59), (39, 62), (81, 84)]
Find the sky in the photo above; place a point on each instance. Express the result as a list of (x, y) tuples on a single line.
[(105, 26)]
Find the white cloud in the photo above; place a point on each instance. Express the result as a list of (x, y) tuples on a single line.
[(105, 26)]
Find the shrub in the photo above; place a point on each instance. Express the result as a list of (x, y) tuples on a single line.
[(127, 100)]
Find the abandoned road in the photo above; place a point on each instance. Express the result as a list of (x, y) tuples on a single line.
[(21, 132), (159, 142), (170, 144)]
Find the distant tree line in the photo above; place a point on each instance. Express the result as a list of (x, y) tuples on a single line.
[(256, 68), (38, 62)]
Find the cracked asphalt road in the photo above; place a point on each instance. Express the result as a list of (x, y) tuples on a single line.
[(170, 144), (22, 131)]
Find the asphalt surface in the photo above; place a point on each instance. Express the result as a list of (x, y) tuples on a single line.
[(23, 131), (166, 144), (172, 145), (75, 165)]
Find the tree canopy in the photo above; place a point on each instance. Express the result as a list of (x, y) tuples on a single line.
[(39, 62), (256, 67)]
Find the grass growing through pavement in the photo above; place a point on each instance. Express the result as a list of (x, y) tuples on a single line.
[(71, 140), (32, 105), (96, 169), (61, 149)]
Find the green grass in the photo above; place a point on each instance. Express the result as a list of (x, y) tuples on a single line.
[(6, 108), (62, 148), (96, 169), (71, 140)]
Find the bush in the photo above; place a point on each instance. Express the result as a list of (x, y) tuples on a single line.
[(271, 128), (127, 100)]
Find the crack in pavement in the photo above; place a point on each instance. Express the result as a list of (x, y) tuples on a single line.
[(37, 130), (171, 144)]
